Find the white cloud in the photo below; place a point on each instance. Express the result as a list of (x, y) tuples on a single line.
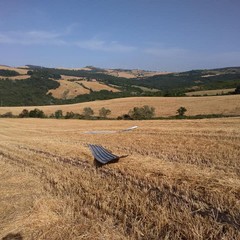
[(31, 37), (112, 46), (36, 37)]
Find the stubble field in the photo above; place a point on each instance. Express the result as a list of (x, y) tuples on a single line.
[(164, 106), (181, 180)]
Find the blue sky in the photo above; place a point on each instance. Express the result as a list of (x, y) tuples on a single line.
[(173, 35)]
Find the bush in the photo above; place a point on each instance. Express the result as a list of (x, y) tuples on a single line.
[(69, 115), (36, 113), (58, 114), (88, 112), (181, 111), (124, 117), (7, 115), (72, 115), (145, 112), (24, 113), (103, 112), (237, 90)]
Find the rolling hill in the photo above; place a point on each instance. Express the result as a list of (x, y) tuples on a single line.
[(53, 86)]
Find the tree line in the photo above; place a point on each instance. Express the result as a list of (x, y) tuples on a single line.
[(137, 113)]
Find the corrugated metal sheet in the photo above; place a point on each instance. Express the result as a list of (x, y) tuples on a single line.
[(101, 154)]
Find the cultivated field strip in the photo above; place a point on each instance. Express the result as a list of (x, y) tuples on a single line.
[(227, 105), (144, 196)]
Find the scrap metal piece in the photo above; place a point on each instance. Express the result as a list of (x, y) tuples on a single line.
[(102, 155)]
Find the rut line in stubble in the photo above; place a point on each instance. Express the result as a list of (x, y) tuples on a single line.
[(139, 183)]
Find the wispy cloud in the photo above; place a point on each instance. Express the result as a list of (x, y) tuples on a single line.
[(101, 45), (31, 37), (36, 37)]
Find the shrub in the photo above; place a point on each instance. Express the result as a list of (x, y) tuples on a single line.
[(7, 115), (145, 112), (58, 114), (181, 111), (124, 117), (36, 113), (103, 112), (69, 115), (88, 112), (24, 113), (237, 90)]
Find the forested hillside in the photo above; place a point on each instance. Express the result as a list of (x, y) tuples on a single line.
[(35, 90)]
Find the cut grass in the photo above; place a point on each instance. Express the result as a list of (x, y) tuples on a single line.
[(181, 179), (164, 106)]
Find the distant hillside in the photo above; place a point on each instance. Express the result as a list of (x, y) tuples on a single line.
[(194, 80), (47, 86)]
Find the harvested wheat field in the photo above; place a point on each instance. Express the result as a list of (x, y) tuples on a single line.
[(180, 180), (71, 89), (133, 73), (97, 86), (210, 92), (164, 106), (68, 90)]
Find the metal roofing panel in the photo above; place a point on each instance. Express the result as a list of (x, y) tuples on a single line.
[(101, 154)]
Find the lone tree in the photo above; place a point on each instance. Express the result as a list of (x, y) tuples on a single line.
[(88, 112), (103, 112), (58, 114), (181, 111), (145, 112)]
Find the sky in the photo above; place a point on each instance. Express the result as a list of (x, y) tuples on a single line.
[(161, 35)]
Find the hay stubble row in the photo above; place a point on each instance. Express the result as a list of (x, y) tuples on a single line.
[(180, 181)]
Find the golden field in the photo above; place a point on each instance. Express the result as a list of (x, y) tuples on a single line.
[(97, 86), (68, 90), (133, 73), (210, 92), (71, 89), (165, 106), (180, 180)]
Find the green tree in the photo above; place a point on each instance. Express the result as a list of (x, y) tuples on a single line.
[(145, 112), (69, 115), (58, 114), (24, 113), (88, 112), (237, 90), (181, 111), (103, 112), (36, 113)]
